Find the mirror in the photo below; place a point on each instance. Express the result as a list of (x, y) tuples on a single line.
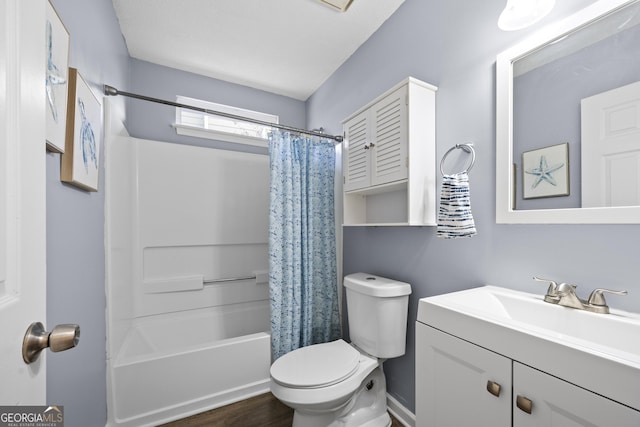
[(568, 120)]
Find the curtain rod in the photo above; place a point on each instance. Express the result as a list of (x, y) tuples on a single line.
[(112, 91)]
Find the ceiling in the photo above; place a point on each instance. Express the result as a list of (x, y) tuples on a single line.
[(288, 47)]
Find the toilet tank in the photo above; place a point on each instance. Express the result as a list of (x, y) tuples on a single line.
[(377, 312)]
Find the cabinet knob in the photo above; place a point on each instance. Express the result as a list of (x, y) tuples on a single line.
[(493, 388), (366, 146), (524, 404)]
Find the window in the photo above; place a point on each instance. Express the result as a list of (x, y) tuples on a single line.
[(202, 125)]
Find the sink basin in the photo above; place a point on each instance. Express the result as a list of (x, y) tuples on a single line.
[(596, 351), (608, 332)]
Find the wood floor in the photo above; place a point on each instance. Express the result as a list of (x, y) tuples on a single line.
[(260, 411)]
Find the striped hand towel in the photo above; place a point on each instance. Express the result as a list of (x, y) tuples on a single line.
[(454, 217)]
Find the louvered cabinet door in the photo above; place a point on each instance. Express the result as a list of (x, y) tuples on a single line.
[(388, 158), (357, 161), (389, 153)]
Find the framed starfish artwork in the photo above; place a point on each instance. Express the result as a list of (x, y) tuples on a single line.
[(56, 82), (545, 172), (81, 158)]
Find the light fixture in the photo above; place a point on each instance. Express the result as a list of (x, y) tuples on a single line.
[(519, 14)]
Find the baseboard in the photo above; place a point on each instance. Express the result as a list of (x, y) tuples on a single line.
[(402, 414), (187, 409)]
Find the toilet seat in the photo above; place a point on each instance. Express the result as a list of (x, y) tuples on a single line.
[(315, 366)]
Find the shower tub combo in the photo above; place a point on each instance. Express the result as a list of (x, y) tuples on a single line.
[(183, 364), (187, 292)]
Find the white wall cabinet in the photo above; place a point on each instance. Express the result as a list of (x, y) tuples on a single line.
[(377, 141), (456, 383), (389, 158)]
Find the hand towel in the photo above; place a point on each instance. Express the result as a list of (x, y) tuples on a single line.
[(454, 217)]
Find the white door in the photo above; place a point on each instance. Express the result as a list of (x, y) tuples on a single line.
[(22, 196), (611, 148)]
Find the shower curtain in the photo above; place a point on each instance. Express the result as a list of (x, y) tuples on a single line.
[(302, 248)]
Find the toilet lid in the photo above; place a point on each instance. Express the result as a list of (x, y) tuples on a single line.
[(317, 365)]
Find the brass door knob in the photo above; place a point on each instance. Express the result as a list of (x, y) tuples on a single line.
[(36, 339)]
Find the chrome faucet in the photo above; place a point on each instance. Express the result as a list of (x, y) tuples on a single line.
[(568, 297), (564, 294)]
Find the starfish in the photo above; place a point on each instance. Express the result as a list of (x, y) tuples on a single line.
[(543, 172), (54, 77)]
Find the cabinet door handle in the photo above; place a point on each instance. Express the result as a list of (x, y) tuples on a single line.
[(493, 388), (366, 146), (524, 404)]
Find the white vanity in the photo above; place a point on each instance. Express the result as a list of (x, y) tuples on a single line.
[(496, 357)]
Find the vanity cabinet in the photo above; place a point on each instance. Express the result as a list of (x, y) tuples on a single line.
[(451, 382), (389, 158), (557, 403), (461, 384)]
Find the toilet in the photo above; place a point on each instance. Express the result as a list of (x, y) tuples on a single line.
[(340, 384)]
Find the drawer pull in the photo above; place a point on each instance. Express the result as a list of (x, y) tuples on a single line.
[(493, 388), (524, 404)]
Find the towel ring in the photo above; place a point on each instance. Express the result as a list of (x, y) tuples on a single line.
[(468, 147)]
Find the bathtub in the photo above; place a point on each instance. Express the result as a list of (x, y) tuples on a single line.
[(174, 365), (187, 331)]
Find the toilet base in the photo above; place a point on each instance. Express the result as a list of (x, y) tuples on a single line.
[(366, 408)]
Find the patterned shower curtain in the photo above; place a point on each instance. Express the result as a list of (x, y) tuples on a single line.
[(302, 248)]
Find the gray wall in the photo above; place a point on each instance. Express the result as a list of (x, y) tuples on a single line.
[(152, 121), (454, 45), (75, 230)]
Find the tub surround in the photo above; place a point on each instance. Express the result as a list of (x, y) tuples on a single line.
[(180, 364), (187, 296)]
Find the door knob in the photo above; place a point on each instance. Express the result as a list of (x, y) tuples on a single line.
[(36, 339)]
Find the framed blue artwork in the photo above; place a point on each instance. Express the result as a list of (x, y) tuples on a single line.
[(56, 82), (545, 172), (81, 158)]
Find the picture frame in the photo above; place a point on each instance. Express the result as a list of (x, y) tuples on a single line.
[(545, 172), (57, 65), (81, 158)]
